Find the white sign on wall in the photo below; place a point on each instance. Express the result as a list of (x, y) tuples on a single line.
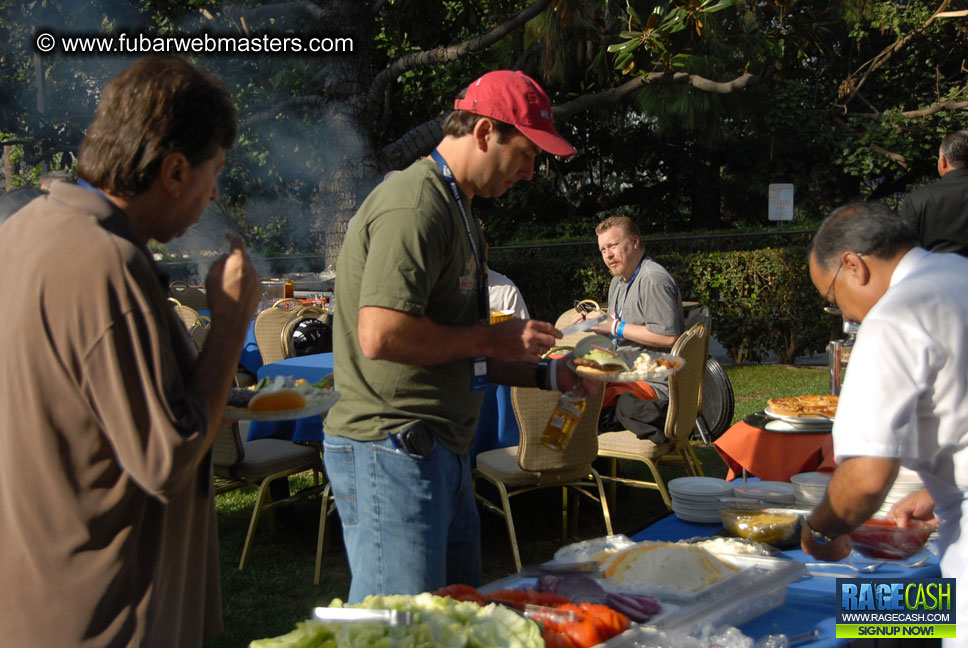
[(781, 202)]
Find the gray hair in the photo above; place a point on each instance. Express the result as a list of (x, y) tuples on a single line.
[(954, 146), (867, 228)]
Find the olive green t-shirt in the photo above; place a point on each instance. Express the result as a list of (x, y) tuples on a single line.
[(407, 248)]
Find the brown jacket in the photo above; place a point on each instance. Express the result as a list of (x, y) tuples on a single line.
[(107, 524)]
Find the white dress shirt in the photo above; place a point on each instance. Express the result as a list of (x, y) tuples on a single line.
[(504, 295), (905, 394)]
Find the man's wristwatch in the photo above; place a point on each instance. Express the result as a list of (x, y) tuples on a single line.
[(818, 537), (541, 375)]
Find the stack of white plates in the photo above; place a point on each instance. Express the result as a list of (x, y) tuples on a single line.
[(696, 499), (768, 492), (809, 487), (907, 482)]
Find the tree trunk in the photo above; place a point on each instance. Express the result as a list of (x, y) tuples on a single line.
[(350, 169)]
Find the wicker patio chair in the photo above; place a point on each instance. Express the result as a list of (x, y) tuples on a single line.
[(530, 465)]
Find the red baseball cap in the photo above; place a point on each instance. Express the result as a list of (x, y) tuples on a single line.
[(515, 98)]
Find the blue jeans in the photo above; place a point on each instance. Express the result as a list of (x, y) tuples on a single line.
[(410, 524)]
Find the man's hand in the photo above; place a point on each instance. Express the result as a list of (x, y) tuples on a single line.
[(831, 551), (232, 287), (605, 326), (855, 492), (915, 506), (232, 291), (569, 381), (521, 340)]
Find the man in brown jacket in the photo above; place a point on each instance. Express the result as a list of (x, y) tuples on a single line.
[(107, 521)]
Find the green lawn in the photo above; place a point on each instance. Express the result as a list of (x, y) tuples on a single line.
[(275, 590), (754, 384)]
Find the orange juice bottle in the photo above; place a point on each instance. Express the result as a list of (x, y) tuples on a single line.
[(563, 420)]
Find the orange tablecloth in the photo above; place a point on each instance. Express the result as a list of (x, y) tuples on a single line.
[(613, 390), (773, 456)]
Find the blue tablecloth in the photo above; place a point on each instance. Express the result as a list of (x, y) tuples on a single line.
[(810, 602), (310, 367), (497, 427), (251, 359)]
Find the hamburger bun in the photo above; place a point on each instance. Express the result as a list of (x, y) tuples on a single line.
[(596, 358)]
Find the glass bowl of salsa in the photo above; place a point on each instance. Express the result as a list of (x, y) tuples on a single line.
[(884, 540)]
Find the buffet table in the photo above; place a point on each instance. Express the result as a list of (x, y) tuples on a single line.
[(810, 603)]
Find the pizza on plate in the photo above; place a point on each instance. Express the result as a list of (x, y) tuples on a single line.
[(809, 406)]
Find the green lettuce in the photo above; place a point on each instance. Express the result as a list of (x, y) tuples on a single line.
[(439, 622)]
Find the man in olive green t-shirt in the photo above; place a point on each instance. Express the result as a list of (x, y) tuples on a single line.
[(413, 348)]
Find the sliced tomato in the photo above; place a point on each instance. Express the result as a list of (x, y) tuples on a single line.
[(554, 638), (583, 634), (512, 597), (520, 598), (460, 592)]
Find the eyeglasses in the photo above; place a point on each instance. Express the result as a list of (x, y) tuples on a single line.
[(830, 296)]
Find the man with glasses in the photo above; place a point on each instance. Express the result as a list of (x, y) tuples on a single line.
[(905, 394)]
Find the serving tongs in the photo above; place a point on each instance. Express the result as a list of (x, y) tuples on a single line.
[(357, 615), (546, 614)]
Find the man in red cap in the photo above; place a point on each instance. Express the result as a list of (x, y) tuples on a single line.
[(413, 349)]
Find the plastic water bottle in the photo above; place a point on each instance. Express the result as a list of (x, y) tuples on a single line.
[(561, 425)]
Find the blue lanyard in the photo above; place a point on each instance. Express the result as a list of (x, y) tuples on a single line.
[(482, 299), (628, 286)]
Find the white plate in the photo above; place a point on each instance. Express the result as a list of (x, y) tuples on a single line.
[(697, 518), (800, 420), (635, 376), (785, 427), (320, 404), (696, 506), (703, 502), (699, 486), (811, 479), (765, 489)]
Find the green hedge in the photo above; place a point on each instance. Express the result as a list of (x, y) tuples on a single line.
[(761, 300)]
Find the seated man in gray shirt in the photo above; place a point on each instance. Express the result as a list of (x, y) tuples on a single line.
[(645, 313)]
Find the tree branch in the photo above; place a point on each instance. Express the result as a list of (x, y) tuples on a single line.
[(451, 53), (614, 95), (890, 155), (923, 112), (421, 140), (413, 144), (850, 87)]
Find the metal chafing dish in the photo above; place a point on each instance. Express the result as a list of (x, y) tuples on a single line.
[(838, 351)]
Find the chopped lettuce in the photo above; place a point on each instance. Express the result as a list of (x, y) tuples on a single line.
[(438, 622)]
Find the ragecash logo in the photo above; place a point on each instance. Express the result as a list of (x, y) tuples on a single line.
[(896, 607)]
